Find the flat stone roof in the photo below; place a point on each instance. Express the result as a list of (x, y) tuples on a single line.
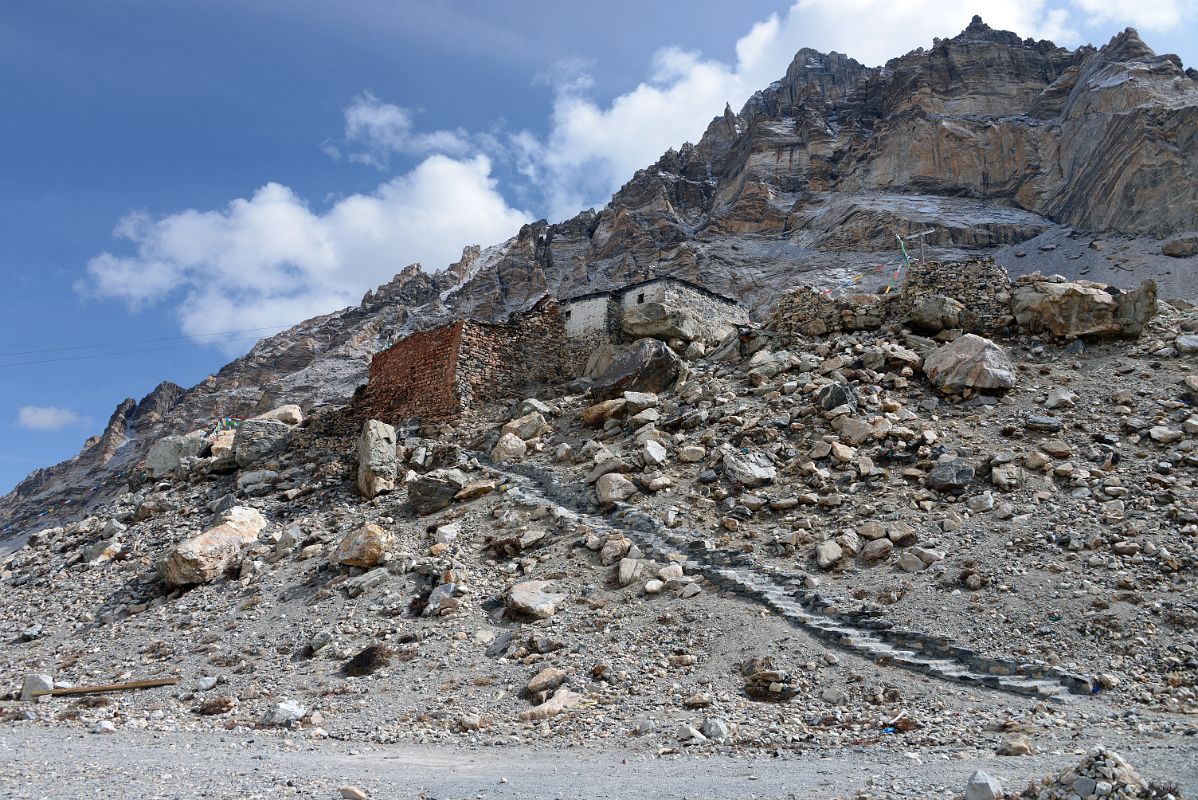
[(622, 290)]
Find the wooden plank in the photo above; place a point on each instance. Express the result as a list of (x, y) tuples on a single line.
[(109, 687)]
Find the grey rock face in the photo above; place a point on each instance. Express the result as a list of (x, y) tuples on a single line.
[(168, 454), (258, 438)]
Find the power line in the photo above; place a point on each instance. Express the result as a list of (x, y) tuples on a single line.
[(142, 341), (126, 352)]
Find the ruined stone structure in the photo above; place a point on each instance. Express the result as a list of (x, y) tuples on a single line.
[(981, 285), (437, 374), (976, 296), (598, 318)]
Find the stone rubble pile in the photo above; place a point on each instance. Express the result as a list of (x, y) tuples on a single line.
[(1102, 772)]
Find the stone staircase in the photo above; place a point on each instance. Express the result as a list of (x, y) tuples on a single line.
[(859, 632)]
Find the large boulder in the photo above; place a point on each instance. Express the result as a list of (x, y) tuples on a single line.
[(168, 456), (377, 464), (749, 469), (222, 447), (1182, 246), (835, 395), (600, 359), (614, 488), (529, 426), (208, 555), (258, 438), (935, 313), (951, 475), (661, 321), (364, 547), (1081, 308), (969, 362), (645, 366), (1136, 308), (510, 447), (433, 491), (533, 599), (290, 414)]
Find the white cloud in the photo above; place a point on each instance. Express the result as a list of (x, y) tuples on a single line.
[(272, 260), (375, 131), (48, 418), (1151, 15)]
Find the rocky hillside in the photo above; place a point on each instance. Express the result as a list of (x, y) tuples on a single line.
[(1079, 162), (879, 536)]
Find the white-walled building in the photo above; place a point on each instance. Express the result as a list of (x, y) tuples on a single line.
[(597, 318)]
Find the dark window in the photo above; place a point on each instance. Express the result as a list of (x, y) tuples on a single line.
[(567, 314), (640, 298)]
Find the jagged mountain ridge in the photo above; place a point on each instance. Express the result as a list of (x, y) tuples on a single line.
[(990, 139)]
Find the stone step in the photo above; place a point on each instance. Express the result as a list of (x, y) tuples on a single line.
[(788, 596)]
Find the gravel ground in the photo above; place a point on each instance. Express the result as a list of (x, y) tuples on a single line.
[(38, 762)]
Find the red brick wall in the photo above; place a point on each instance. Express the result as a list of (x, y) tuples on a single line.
[(417, 377), (437, 374)]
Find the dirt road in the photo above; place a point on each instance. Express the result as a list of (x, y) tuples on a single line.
[(57, 762)]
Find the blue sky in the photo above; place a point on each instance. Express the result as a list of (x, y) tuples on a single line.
[(175, 170)]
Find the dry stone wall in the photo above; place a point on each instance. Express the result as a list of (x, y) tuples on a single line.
[(512, 358), (438, 374), (981, 285)]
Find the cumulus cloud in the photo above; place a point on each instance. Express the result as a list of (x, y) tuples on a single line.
[(375, 131), (48, 418), (271, 259)]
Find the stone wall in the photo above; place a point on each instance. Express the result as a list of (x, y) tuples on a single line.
[(810, 313), (438, 374), (417, 377), (513, 358), (981, 285), (595, 320)]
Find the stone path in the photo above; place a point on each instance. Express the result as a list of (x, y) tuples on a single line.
[(785, 594)]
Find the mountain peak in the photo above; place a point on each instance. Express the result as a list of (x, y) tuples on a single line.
[(812, 179)]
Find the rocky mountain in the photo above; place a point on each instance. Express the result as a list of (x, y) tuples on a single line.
[(1078, 162)]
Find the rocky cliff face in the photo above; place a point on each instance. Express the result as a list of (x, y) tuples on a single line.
[(1068, 161)]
